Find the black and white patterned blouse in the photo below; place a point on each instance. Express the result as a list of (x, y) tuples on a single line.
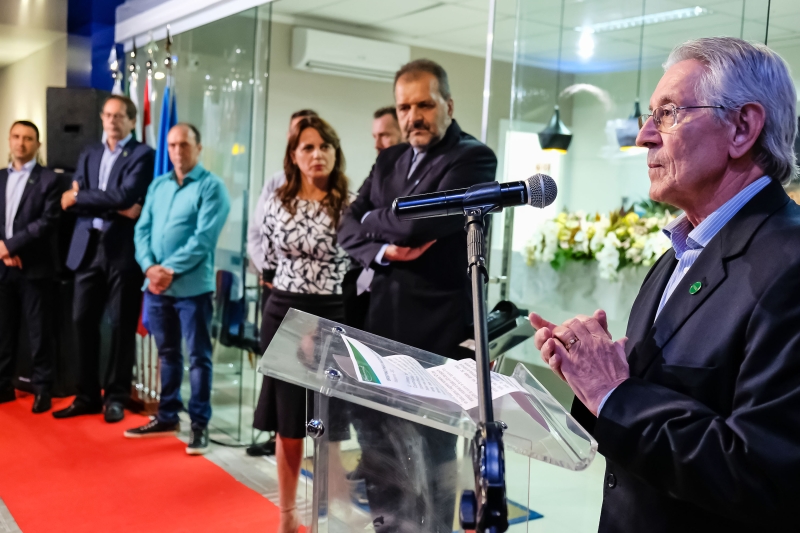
[(301, 248)]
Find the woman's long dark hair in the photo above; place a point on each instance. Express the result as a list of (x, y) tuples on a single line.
[(337, 198)]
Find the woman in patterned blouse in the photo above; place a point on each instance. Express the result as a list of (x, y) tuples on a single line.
[(299, 236)]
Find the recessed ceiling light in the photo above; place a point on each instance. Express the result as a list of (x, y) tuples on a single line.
[(586, 44), (653, 18)]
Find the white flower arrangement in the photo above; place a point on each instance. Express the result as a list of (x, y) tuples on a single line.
[(615, 241)]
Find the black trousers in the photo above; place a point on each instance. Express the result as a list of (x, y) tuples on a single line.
[(99, 284), (410, 472), (33, 299)]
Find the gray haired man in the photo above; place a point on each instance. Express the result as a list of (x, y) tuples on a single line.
[(697, 411)]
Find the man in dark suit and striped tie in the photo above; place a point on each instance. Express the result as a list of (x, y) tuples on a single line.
[(29, 211), (107, 194)]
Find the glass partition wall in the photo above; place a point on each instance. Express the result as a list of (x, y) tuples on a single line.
[(219, 78), (593, 61)]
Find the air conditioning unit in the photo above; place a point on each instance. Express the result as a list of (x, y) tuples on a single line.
[(344, 55)]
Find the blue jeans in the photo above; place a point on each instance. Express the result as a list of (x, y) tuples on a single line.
[(169, 319)]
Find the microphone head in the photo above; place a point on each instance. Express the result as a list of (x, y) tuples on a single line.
[(542, 190)]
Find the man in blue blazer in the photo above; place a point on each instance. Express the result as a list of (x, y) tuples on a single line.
[(697, 412), (29, 211), (107, 194)]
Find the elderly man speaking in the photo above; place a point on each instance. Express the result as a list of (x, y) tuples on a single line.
[(698, 411)]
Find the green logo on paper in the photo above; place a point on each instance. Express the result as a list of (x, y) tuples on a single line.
[(695, 288), (367, 374)]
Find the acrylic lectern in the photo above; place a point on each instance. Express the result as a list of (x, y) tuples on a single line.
[(381, 458)]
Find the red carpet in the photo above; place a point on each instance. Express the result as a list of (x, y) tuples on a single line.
[(81, 475)]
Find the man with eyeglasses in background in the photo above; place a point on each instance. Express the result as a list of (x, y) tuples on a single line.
[(697, 409), (107, 194)]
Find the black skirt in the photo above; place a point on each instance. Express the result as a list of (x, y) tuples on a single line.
[(284, 407)]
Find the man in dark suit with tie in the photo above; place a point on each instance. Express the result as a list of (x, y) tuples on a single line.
[(416, 272), (420, 291), (107, 194), (698, 411), (29, 212)]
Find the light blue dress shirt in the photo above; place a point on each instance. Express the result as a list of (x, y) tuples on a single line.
[(179, 228), (106, 164), (689, 242), (14, 188)]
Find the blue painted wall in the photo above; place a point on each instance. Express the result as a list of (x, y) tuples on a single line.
[(92, 21)]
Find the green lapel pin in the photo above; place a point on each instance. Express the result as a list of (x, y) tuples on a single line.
[(695, 288), (125, 153)]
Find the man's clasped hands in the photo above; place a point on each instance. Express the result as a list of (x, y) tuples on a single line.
[(160, 278), (7, 258), (582, 353)]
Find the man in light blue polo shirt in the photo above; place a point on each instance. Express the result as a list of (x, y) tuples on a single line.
[(175, 238)]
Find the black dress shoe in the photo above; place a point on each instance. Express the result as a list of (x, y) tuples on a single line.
[(78, 409), (42, 403), (262, 448), (8, 396), (114, 412)]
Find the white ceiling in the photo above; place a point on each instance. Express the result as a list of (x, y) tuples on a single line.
[(529, 29), (461, 25), (453, 25), (17, 42)]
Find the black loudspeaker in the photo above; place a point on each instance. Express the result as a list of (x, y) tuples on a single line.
[(73, 121)]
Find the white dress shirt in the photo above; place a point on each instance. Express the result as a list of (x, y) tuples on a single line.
[(14, 188), (255, 245), (106, 164)]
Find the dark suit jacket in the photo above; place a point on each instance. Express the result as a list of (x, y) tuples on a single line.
[(34, 238), (424, 303), (127, 185), (705, 435)]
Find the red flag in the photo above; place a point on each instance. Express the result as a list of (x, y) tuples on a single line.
[(147, 125), (141, 328)]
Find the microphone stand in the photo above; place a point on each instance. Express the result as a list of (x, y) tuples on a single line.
[(483, 509)]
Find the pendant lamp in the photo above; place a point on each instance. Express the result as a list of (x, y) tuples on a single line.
[(628, 130), (556, 137)]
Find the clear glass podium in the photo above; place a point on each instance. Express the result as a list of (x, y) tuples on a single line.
[(383, 460)]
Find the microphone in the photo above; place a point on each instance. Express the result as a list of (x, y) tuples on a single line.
[(538, 191)]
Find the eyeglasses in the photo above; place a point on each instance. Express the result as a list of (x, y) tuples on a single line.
[(666, 116), (112, 116)]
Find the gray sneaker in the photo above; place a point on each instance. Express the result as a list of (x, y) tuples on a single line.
[(198, 442)]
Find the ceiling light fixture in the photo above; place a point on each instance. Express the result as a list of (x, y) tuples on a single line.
[(628, 130), (556, 137), (586, 44), (645, 20)]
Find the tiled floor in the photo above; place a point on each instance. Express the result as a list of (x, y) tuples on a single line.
[(7, 523), (570, 501)]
